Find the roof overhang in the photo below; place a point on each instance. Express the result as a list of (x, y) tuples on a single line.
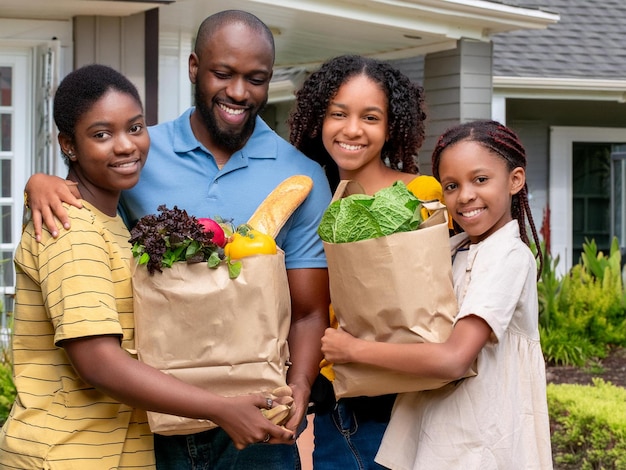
[(560, 88), (66, 9), (307, 32)]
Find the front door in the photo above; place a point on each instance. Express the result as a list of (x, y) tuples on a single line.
[(585, 197)]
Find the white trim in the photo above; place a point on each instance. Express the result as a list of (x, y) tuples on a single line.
[(560, 197), (452, 18), (175, 90), (34, 31), (20, 59), (561, 88), (481, 10), (498, 108)]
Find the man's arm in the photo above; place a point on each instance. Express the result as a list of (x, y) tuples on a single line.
[(46, 195), (310, 299)]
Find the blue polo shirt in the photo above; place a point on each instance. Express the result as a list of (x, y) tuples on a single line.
[(181, 172)]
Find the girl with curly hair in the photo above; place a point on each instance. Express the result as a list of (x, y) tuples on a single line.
[(362, 120)]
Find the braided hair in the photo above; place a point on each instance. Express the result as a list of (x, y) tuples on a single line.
[(502, 141), (405, 109)]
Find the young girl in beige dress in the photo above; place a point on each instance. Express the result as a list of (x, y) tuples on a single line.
[(499, 418)]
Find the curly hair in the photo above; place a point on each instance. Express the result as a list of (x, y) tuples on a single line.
[(501, 141), (405, 109)]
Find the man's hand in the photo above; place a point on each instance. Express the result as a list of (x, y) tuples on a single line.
[(243, 421), (299, 407), (46, 195)]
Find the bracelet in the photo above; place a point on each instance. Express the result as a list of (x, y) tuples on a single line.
[(26, 200)]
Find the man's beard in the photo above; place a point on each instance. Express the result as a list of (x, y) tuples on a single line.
[(227, 140)]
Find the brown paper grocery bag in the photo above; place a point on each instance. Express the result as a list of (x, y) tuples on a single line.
[(226, 335), (396, 288)]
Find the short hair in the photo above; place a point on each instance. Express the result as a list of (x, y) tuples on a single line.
[(220, 19), (405, 103), (81, 88)]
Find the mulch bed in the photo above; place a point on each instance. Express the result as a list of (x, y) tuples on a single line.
[(611, 369)]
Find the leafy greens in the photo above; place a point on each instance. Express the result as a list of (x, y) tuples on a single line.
[(360, 217)]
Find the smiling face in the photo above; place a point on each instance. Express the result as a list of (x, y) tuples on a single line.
[(109, 148), (355, 126), (232, 75), (478, 188)]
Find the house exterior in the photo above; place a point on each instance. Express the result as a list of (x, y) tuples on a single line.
[(563, 89), (448, 45)]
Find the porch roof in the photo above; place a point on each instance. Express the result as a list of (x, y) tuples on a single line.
[(308, 32)]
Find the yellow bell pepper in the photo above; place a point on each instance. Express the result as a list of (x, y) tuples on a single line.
[(248, 242)]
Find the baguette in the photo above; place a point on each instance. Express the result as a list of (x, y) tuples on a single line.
[(278, 206)]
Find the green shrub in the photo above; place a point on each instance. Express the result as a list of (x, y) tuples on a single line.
[(7, 388), (584, 312), (588, 425)]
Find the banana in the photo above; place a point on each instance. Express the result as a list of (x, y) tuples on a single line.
[(277, 415), (284, 400), (283, 391), (278, 206)]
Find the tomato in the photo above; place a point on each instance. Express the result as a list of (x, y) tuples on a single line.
[(248, 242)]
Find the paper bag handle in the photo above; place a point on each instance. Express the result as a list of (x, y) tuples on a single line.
[(347, 188)]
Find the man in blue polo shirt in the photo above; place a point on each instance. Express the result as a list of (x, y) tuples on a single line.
[(187, 175), (220, 158)]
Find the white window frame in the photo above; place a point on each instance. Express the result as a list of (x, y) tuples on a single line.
[(20, 60), (561, 191)]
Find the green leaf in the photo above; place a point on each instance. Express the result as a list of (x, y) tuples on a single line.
[(417, 219), (349, 220), (358, 217), (214, 260), (192, 249), (234, 268), (393, 208), (144, 258), (138, 249), (169, 258)]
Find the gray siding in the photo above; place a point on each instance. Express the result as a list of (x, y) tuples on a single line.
[(412, 68), (458, 89), (114, 41), (536, 140)]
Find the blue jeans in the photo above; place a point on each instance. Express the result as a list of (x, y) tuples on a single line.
[(214, 450), (348, 437)]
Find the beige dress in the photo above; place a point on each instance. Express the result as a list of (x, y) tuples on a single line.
[(498, 419)]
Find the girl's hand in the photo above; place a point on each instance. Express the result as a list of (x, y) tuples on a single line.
[(339, 346)]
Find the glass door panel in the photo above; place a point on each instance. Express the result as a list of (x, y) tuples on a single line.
[(591, 176), (618, 197)]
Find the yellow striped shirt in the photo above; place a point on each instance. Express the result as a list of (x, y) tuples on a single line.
[(75, 286)]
